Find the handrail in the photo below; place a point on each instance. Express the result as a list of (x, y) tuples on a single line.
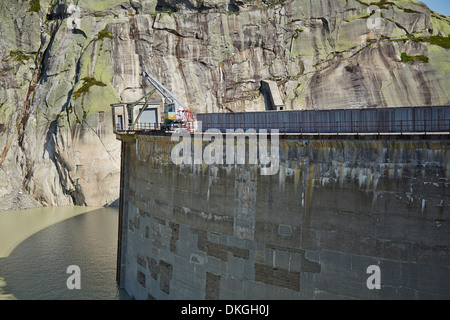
[(321, 127), (339, 126)]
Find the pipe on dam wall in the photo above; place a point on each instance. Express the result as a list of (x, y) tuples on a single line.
[(337, 207)]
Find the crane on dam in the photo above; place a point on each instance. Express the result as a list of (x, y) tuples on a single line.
[(176, 114), (142, 114)]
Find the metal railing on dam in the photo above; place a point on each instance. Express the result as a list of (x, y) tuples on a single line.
[(405, 120), (344, 121)]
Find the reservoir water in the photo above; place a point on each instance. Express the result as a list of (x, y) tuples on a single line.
[(38, 245)]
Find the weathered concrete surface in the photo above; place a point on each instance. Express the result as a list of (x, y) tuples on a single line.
[(336, 207)]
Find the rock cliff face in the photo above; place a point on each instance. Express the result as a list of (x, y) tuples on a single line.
[(64, 62)]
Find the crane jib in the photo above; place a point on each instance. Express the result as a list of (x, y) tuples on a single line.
[(175, 111), (163, 90)]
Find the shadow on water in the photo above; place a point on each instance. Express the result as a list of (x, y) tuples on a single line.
[(37, 268)]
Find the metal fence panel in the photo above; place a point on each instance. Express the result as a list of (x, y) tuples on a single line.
[(290, 121), (323, 121), (239, 120), (203, 119), (346, 124), (249, 121), (285, 121), (297, 125), (368, 121), (355, 119), (214, 121), (260, 121), (440, 118), (385, 120), (272, 121), (403, 120), (422, 119), (308, 122), (222, 122)]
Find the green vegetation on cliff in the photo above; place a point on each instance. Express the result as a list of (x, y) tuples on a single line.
[(444, 42), (19, 56), (35, 6), (381, 4), (441, 41), (103, 34), (407, 58), (88, 83)]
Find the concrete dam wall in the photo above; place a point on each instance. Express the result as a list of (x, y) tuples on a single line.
[(362, 217)]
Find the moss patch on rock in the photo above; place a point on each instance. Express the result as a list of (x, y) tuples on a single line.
[(103, 34), (88, 83), (406, 58), (441, 41), (35, 6), (19, 56)]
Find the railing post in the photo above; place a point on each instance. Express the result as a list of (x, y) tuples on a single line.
[(337, 127), (401, 127)]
